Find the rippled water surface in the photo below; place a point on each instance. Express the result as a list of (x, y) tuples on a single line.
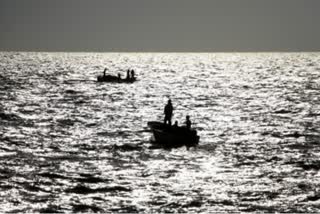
[(70, 144)]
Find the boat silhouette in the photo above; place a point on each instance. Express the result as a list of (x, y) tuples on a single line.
[(115, 79), (173, 137)]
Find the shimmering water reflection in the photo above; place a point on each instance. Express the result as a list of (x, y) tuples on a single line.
[(70, 144)]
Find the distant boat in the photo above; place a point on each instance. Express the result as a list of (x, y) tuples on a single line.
[(114, 79), (173, 137)]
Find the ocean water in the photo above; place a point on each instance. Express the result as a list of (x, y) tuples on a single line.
[(71, 144)]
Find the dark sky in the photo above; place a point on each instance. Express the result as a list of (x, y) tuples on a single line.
[(160, 25)]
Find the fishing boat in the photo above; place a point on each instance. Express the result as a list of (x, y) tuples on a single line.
[(173, 137), (115, 79)]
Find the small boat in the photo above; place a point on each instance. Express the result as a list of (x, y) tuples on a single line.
[(114, 79), (173, 137)]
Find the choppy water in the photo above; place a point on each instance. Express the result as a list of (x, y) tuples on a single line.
[(70, 144)]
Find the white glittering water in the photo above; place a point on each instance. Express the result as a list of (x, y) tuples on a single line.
[(70, 144)]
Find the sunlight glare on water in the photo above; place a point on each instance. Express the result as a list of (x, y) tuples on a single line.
[(71, 144)]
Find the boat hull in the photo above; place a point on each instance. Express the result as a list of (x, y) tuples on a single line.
[(173, 137), (114, 79)]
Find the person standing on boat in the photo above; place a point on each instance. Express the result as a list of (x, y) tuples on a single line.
[(128, 74), (132, 74), (104, 72), (188, 122), (168, 110)]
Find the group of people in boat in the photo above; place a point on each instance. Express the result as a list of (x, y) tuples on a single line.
[(168, 112), (130, 74)]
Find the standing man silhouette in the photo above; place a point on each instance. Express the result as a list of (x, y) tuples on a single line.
[(168, 110), (128, 74), (188, 122), (132, 74)]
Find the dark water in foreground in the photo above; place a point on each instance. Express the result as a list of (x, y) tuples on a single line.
[(69, 144)]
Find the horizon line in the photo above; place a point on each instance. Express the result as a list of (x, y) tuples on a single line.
[(48, 51)]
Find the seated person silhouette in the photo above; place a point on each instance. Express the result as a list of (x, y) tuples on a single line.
[(175, 125)]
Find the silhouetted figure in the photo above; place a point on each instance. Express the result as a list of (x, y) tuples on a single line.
[(104, 72), (175, 125), (132, 74), (119, 77), (128, 74), (168, 109), (188, 122)]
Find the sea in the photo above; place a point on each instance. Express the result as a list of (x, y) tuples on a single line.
[(71, 144)]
